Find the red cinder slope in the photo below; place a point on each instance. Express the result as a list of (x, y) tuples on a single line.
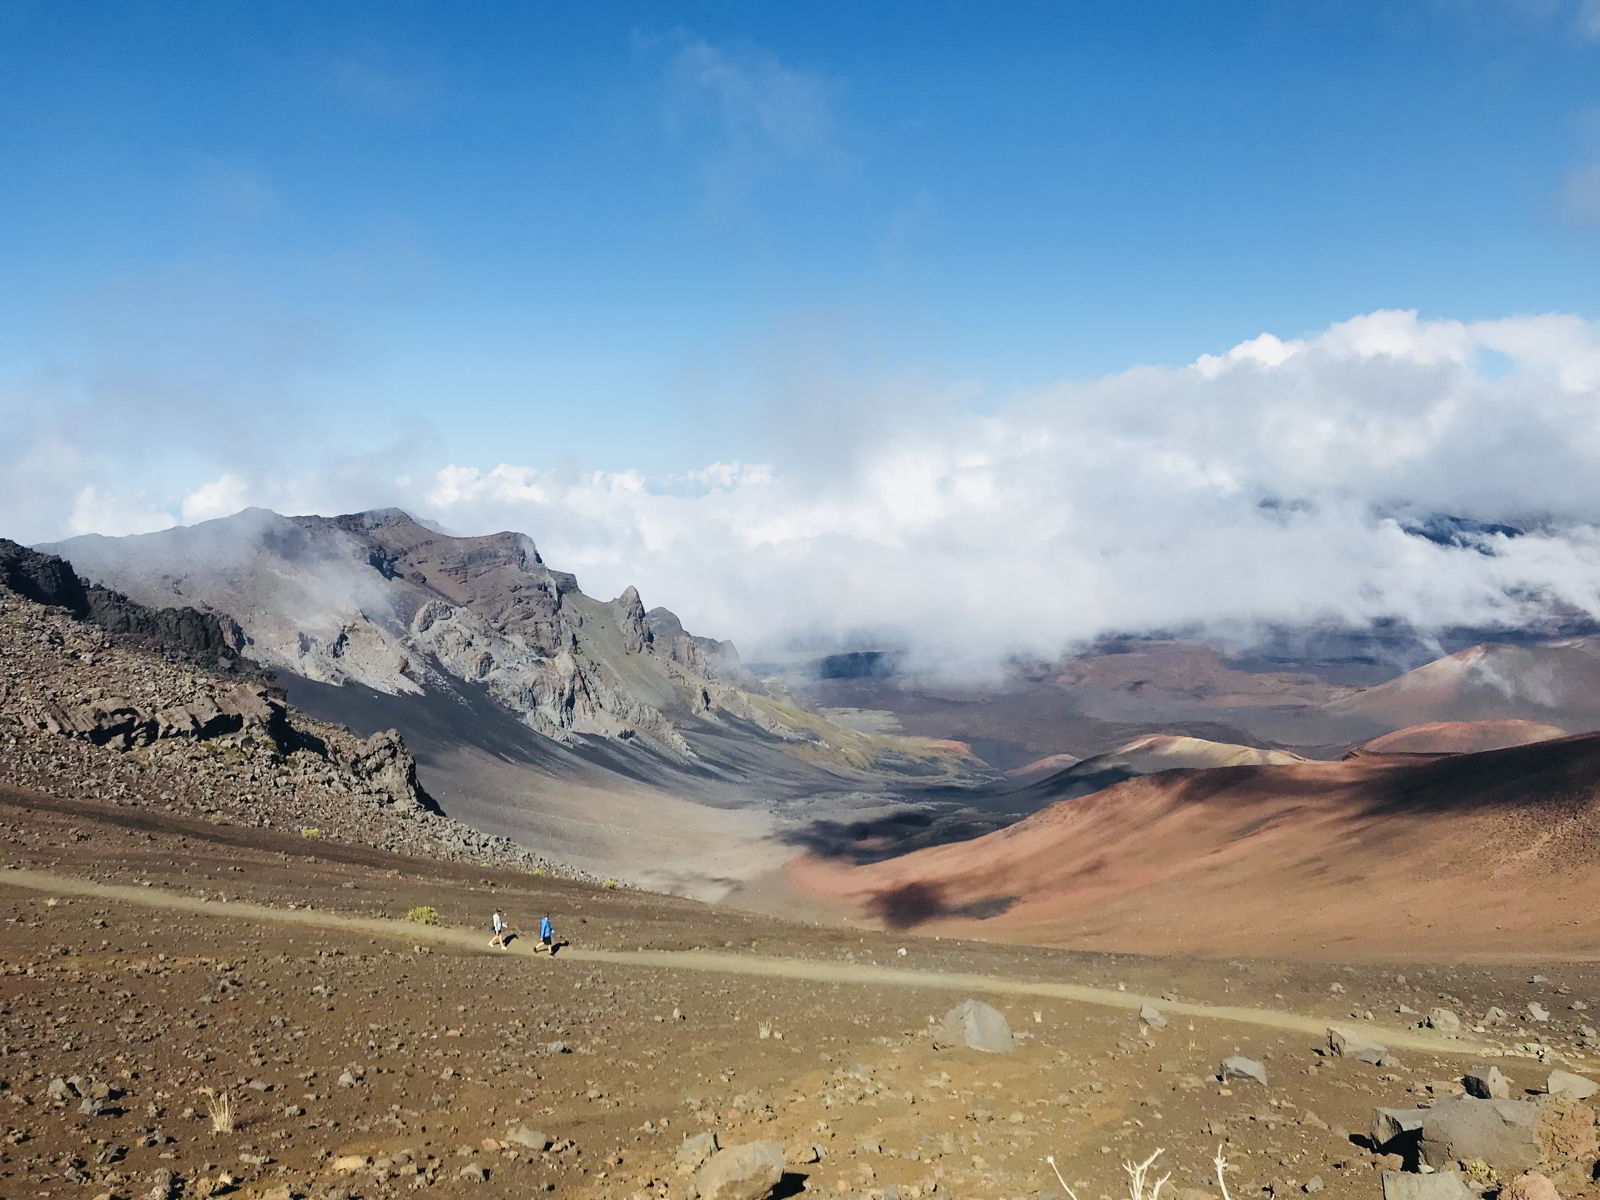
[(1462, 737), (1447, 856)]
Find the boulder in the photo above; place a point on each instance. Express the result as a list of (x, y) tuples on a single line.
[(1503, 1133), (747, 1172), (1395, 1129), (1570, 1086), (1345, 1044), (528, 1138), (1239, 1067), (1486, 1082), (1567, 1131), (1153, 1017), (696, 1148), (1529, 1186), (975, 1025), (1442, 1185), (1443, 1020), (384, 767)]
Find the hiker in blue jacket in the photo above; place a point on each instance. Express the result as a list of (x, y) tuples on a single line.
[(547, 935)]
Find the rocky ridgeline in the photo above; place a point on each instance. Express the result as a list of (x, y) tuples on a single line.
[(89, 714), (380, 600), (377, 599), (176, 632)]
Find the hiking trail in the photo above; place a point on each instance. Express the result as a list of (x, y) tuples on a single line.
[(808, 970)]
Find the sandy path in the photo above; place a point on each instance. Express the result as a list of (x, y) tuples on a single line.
[(736, 964)]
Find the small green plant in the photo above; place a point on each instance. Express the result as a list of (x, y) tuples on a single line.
[(611, 883), (538, 872), (423, 914), (1483, 1176), (311, 833)]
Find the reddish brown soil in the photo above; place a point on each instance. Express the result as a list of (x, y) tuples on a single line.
[(1484, 854), (1554, 682), (1463, 737), (447, 1045)]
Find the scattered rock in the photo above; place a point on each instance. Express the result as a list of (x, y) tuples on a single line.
[(747, 1172), (1570, 1086), (1238, 1067), (975, 1025), (1391, 1125), (1153, 1017), (1486, 1082), (1444, 1020), (1529, 1186), (528, 1139), (696, 1148), (1442, 1185), (1345, 1044)]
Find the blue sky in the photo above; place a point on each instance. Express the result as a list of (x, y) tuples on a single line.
[(637, 236)]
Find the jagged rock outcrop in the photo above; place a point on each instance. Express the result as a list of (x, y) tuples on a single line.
[(240, 711), (636, 635), (49, 580), (701, 655)]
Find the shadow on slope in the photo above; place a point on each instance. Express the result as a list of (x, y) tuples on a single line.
[(946, 815), (1442, 854)]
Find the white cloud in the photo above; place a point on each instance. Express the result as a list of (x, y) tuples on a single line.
[(1126, 502), (223, 496), (94, 511), (745, 112)]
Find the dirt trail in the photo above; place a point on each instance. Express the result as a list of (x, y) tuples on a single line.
[(738, 964)]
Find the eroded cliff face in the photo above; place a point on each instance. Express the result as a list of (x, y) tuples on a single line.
[(380, 599)]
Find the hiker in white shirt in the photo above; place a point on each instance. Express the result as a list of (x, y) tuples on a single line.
[(498, 924)]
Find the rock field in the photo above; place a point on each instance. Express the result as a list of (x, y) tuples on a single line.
[(83, 712)]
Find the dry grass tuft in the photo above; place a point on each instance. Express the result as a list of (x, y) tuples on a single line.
[(219, 1106), (1140, 1185)]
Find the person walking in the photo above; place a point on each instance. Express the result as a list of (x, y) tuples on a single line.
[(547, 936), (497, 924)]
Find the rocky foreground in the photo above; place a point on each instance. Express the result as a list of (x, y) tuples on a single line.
[(385, 1059)]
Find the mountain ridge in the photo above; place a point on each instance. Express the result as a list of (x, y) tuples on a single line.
[(599, 731)]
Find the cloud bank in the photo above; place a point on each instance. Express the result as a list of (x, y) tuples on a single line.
[(1266, 484)]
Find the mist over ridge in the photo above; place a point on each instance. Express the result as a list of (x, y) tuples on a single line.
[(1283, 482)]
